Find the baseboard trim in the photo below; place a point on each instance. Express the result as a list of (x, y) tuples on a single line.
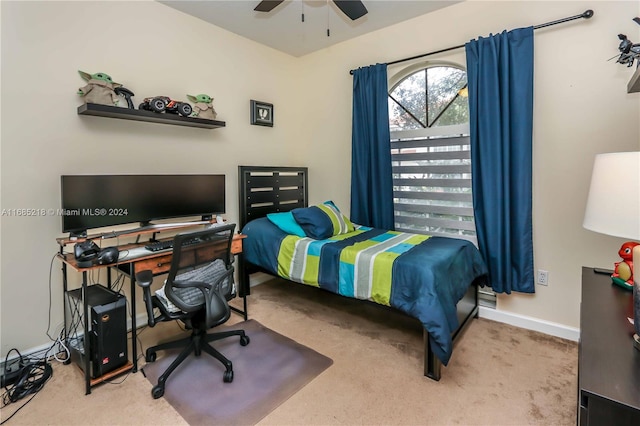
[(36, 352), (530, 323)]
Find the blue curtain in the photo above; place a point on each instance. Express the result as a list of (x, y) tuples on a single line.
[(371, 179), (500, 76)]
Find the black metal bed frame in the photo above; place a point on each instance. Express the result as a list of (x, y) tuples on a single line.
[(265, 190)]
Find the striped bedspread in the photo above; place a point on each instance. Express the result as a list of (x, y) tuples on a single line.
[(422, 276)]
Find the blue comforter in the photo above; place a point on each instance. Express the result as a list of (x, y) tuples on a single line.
[(422, 276)]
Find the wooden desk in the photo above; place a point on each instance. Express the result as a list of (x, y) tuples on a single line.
[(608, 364), (158, 262)]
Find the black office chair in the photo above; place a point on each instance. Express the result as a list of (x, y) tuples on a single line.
[(196, 292)]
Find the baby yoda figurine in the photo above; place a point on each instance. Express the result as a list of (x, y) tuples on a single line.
[(202, 106), (100, 89)]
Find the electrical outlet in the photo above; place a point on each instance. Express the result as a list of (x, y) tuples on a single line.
[(543, 277)]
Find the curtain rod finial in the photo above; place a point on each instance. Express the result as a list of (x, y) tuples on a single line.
[(587, 14)]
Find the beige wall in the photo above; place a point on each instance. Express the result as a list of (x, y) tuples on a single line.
[(581, 108)]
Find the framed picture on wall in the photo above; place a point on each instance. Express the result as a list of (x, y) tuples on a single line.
[(261, 113)]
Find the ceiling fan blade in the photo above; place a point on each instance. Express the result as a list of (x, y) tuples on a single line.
[(267, 5), (354, 9)]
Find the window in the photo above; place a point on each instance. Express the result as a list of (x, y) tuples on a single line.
[(430, 154), (430, 151), (433, 96)]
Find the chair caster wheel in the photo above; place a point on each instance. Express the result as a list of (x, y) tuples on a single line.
[(157, 391), (228, 376), (150, 357), (244, 340)]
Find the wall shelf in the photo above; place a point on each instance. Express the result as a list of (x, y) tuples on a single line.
[(634, 83), (149, 116)]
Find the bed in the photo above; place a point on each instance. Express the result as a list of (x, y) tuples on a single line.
[(432, 279)]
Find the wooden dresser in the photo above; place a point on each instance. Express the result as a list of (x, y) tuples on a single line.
[(608, 364)]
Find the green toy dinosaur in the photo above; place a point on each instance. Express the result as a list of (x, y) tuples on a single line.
[(100, 89), (203, 106)]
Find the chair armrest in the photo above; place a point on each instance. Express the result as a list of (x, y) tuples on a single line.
[(144, 280), (221, 304), (217, 284)]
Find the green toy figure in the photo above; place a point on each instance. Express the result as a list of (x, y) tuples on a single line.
[(100, 89), (203, 106)]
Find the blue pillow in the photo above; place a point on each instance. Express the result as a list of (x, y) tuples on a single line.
[(322, 221), (286, 223)]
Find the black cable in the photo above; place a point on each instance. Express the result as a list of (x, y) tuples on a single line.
[(59, 340), (19, 408), (18, 360), (31, 378), (50, 274), (118, 283), (141, 348), (62, 348)]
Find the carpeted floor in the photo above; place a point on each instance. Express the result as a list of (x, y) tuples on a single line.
[(498, 374)]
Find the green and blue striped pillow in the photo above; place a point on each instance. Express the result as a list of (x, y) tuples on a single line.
[(322, 221)]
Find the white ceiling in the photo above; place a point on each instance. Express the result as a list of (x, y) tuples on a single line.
[(283, 29)]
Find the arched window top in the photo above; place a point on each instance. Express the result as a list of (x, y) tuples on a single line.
[(428, 95)]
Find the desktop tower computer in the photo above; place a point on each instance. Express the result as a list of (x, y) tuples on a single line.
[(107, 330)]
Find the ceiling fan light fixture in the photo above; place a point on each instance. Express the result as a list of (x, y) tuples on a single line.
[(354, 9), (267, 5)]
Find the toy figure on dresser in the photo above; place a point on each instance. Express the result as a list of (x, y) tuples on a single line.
[(100, 89), (203, 106), (623, 271)]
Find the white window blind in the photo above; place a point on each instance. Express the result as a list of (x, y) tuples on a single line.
[(432, 184)]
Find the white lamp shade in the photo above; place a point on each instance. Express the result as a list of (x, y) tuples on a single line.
[(613, 206)]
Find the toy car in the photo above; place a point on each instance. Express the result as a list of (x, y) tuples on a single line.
[(166, 104)]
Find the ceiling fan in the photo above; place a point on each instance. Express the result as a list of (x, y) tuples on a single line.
[(354, 9)]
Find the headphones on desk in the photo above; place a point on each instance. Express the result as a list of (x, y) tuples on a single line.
[(106, 256), (87, 254)]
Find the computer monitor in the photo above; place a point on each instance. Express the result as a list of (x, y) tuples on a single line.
[(97, 201)]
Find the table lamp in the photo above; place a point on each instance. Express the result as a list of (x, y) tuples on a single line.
[(613, 208)]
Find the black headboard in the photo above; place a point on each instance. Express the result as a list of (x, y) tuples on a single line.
[(266, 190)]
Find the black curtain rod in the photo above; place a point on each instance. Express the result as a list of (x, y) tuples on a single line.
[(586, 15)]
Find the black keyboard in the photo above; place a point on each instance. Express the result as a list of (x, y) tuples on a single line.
[(165, 245), (159, 245)]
